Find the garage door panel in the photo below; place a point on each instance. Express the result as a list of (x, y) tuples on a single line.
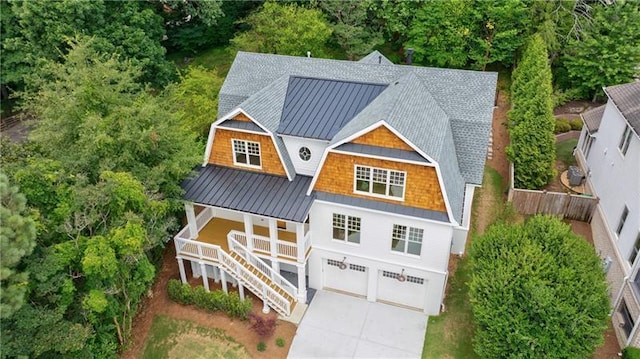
[(352, 279), (410, 292)]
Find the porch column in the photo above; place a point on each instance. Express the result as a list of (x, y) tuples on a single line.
[(302, 283), (248, 230), (191, 220), (300, 242), (241, 290), (265, 306), (183, 274), (205, 279), (216, 274), (273, 238), (223, 278)]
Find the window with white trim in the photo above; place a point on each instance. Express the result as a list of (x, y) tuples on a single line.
[(635, 250), (406, 239), (246, 153), (623, 218), (380, 182), (357, 268), (346, 228), (625, 140)]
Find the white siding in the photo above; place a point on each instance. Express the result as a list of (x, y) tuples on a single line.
[(317, 147), (615, 178)]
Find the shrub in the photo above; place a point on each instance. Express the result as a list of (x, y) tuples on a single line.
[(262, 346), (631, 353), (530, 280), (211, 301), (237, 307), (264, 327), (280, 342), (576, 124), (562, 126), (179, 292)]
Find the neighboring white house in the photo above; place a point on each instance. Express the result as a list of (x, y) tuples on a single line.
[(356, 177), (609, 151)]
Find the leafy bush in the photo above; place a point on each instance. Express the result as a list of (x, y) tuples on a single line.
[(211, 301), (262, 346), (264, 327), (562, 126), (538, 291), (280, 342), (631, 353), (576, 124)]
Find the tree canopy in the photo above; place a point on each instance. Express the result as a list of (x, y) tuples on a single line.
[(285, 29), (537, 291)]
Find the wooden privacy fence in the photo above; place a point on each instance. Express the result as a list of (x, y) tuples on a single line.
[(566, 205)]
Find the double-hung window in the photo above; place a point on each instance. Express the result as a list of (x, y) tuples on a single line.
[(625, 140), (246, 153), (634, 251), (346, 228), (406, 239), (380, 182)]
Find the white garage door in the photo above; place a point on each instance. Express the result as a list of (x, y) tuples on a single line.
[(352, 279), (409, 292)]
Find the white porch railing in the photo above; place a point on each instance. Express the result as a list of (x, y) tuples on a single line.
[(262, 244), (260, 265), (215, 254)]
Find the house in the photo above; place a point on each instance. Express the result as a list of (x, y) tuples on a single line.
[(609, 152), (324, 174)]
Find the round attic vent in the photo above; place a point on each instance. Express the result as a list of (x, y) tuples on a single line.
[(304, 153)]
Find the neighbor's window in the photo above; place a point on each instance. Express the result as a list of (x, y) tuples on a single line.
[(380, 182), (346, 228), (625, 318), (635, 250), (623, 218), (246, 153), (625, 140), (406, 239)]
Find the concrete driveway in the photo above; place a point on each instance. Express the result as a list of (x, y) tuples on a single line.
[(341, 326)]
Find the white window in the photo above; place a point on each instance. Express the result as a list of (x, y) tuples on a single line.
[(623, 218), (246, 153), (380, 182), (406, 239), (346, 228), (634, 251), (625, 140)]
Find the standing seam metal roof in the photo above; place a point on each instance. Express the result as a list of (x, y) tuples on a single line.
[(251, 192), (319, 108)]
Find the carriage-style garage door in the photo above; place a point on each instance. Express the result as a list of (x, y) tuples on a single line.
[(410, 292), (352, 279)]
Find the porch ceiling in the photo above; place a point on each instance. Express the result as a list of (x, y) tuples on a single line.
[(250, 192)]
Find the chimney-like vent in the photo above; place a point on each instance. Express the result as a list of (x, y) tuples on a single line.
[(410, 56), (308, 53), (380, 59)]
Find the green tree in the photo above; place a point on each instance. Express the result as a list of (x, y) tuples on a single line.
[(537, 291), (441, 33), (352, 26), (531, 121), (93, 117), (608, 52), (394, 17), (17, 240), (285, 29), (195, 98)]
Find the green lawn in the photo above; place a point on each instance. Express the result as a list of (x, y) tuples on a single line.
[(564, 151), (172, 338), (450, 335), (219, 58)]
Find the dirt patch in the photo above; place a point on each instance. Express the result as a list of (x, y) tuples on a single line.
[(158, 302), (195, 345), (499, 161)]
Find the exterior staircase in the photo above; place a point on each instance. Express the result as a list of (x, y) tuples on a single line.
[(245, 267)]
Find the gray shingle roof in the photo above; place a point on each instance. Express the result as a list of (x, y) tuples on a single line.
[(446, 113), (592, 118), (383, 206), (242, 125), (627, 99), (376, 58), (382, 151), (252, 192), (319, 108)]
